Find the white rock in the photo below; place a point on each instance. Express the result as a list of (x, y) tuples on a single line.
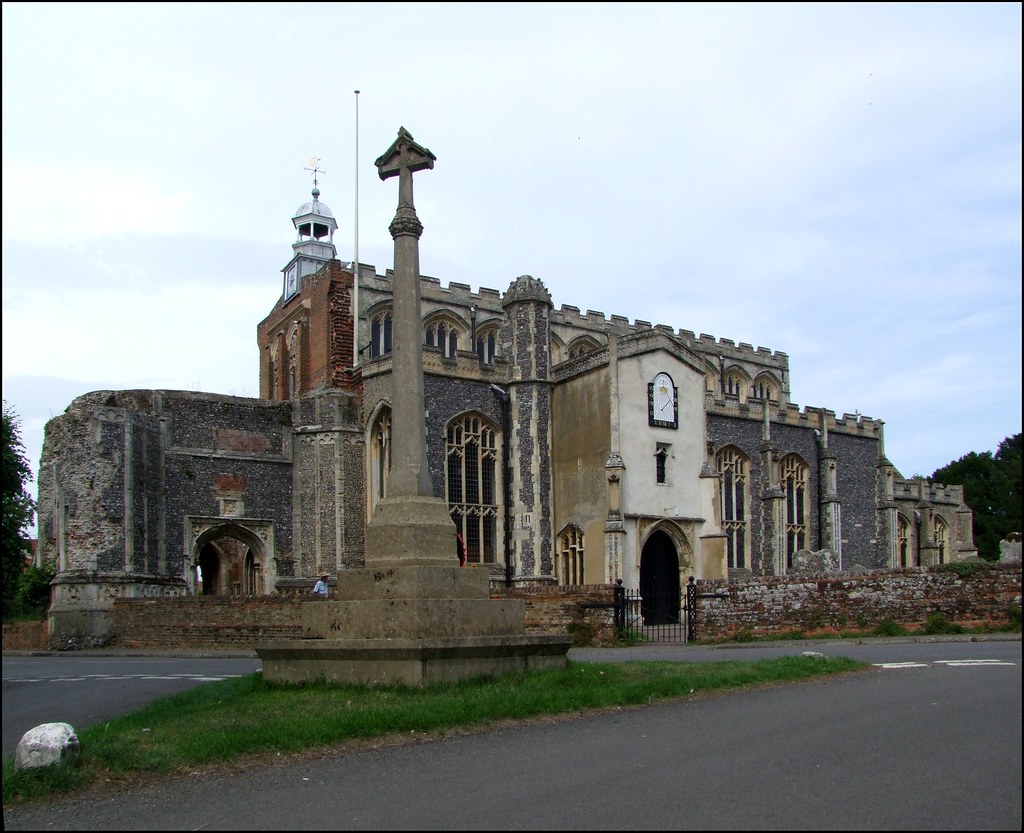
[(46, 744)]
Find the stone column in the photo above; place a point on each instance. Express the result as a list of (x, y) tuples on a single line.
[(410, 525)]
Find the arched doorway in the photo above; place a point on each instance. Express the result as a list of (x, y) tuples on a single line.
[(209, 569), (233, 559), (659, 580)]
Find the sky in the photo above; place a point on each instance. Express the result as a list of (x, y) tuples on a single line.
[(838, 182)]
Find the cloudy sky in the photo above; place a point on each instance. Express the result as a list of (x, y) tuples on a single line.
[(841, 183)]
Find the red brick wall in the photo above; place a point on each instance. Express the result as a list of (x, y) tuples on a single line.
[(25, 636), (212, 622), (583, 612)]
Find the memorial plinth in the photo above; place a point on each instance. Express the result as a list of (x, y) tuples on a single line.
[(410, 616), (412, 625)]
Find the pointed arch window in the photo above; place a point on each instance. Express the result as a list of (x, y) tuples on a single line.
[(734, 385), (763, 388), (486, 344), (569, 569), (733, 466), (444, 336), (903, 559), (380, 334), (940, 534), (795, 492), (471, 485), (582, 346)]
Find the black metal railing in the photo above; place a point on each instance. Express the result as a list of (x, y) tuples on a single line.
[(656, 616)]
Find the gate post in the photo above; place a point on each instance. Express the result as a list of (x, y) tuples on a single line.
[(691, 610), (620, 608)]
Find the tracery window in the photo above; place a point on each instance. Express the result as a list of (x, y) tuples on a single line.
[(569, 568), (734, 385), (581, 347), (471, 464), (762, 389), (794, 489), (903, 542), (940, 534), (380, 334), (733, 466), (486, 344), (444, 336)]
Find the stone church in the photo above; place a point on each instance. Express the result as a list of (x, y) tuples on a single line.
[(570, 448)]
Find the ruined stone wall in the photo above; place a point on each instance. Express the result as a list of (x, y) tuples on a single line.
[(779, 604)]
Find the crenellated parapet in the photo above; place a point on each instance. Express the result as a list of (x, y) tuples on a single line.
[(819, 419), (924, 490)]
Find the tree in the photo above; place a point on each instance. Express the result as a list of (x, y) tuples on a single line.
[(992, 489), (18, 507)]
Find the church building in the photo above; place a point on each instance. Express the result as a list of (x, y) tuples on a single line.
[(569, 447)]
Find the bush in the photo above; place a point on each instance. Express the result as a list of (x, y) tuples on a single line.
[(938, 624), (33, 594), (887, 627)]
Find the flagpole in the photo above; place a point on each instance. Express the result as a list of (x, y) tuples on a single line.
[(355, 262)]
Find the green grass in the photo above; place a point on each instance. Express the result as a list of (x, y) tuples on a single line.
[(222, 722)]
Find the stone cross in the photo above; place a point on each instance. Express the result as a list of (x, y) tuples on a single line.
[(410, 474)]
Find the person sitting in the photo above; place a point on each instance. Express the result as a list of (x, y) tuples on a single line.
[(320, 588)]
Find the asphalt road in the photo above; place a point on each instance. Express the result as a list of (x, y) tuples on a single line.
[(929, 739)]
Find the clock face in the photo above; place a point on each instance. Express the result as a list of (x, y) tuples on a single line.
[(662, 405)]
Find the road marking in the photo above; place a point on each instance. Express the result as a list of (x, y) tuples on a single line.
[(100, 677), (949, 663)]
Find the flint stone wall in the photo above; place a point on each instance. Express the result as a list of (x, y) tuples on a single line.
[(771, 605)]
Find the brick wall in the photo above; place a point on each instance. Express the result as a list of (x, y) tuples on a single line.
[(761, 606), (829, 604), (25, 636), (211, 622), (583, 612)]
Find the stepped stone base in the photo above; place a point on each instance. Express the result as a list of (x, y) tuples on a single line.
[(414, 624), (408, 661)]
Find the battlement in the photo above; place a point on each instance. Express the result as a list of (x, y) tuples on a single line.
[(790, 414), (924, 490)]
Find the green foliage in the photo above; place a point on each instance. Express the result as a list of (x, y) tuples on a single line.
[(887, 627), (992, 489), (1013, 614), (938, 624), (964, 569), (33, 596), (18, 507)]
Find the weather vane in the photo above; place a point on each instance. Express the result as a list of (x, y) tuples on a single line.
[(314, 168)]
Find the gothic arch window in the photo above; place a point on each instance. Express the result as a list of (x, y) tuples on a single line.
[(711, 381), (380, 457), (443, 334), (558, 352), (471, 485), (735, 385), (734, 494), (486, 344), (795, 492), (569, 566), (764, 387), (903, 559), (380, 334), (581, 346), (940, 534)]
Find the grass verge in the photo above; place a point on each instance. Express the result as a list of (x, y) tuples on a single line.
[(223, 721)]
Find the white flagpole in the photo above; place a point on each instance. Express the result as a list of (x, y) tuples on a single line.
[(355, 263)]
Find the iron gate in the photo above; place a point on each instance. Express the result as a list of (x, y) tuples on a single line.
[(656, 617)]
